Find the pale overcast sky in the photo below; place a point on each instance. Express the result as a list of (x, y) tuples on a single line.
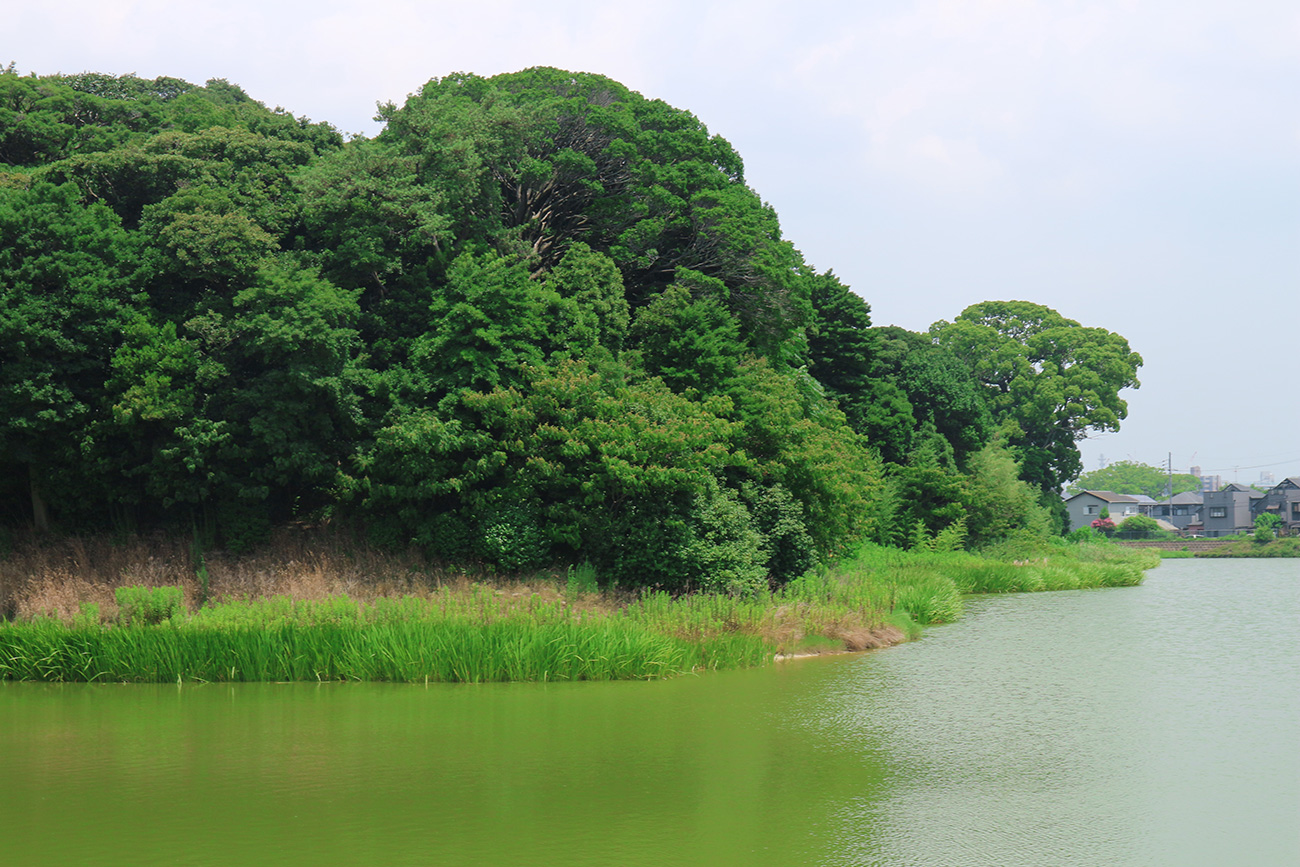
[(1134, 165)]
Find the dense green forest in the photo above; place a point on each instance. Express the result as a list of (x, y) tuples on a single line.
[(539, 319)]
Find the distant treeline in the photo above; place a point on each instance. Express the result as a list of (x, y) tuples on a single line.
[(539, 319)]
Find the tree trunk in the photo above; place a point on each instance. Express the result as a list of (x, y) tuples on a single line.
[(40, 514)]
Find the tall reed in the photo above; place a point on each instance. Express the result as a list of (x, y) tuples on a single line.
[(300, 619), (277, 643)]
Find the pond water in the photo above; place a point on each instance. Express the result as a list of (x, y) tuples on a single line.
[(1140, 726)]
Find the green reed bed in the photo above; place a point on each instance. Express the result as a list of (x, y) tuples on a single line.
[(917, 584), (233, 648), (816, 612), (928, 585), (465, 634), (478, 633)]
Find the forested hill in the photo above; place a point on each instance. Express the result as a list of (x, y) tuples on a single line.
[(538, 319)]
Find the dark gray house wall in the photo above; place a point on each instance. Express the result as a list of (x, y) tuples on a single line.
[(1184, 510), (1283, 500), (1227, 510)]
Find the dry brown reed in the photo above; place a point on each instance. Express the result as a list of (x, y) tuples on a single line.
[(789, 627), (871, 638), (55, 576), (58, 576)]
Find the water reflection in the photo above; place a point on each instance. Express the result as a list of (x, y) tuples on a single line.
[(1154, 725)]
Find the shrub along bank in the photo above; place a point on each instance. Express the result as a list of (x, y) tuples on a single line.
[(548, 629)]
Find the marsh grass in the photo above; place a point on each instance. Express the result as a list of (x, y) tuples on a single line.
[(52, 576), (327, 609), (1246, 546), (146, 605), (408, 651)]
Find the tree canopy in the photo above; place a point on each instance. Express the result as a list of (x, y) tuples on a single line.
[(1048, 380), (1134, 477), (539, 319)]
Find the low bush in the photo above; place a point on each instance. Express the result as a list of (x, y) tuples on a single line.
[(1142, 527), (1084, 534)]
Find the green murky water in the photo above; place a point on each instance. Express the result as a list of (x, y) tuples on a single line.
[(1157, 725)]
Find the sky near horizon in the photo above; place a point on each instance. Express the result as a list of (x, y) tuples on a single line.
[(1133, 164)]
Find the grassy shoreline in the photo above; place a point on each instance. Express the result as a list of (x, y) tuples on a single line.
[(337, 614), (1243, 545), (1249, 548)]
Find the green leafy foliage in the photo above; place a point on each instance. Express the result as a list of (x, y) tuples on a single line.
[(999, 504), (487, 324), (65, 300), (1134, 477), (1048, 380), (147, 606), (588, 446), (1265, 527), (786, 546), (536, 161), (539, 321), (593, 311), (689, 343), (802, 443), (897, 388), (1140, 527)]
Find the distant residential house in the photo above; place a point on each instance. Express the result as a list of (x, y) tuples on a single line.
[(1228, 510), (1085, 507), (1283, 500), (1183, 510), (1146, 505)]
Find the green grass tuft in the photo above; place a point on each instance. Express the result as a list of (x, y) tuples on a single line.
[(470, 632)]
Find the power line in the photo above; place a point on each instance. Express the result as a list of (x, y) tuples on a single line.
[(1257, 466)]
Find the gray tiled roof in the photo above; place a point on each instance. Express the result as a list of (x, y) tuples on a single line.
[(1108, 496)]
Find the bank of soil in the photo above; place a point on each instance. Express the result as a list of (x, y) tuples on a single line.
[(1193, 545), (854, 641)]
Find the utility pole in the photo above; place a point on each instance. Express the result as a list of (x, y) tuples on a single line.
[(1169, 491)]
